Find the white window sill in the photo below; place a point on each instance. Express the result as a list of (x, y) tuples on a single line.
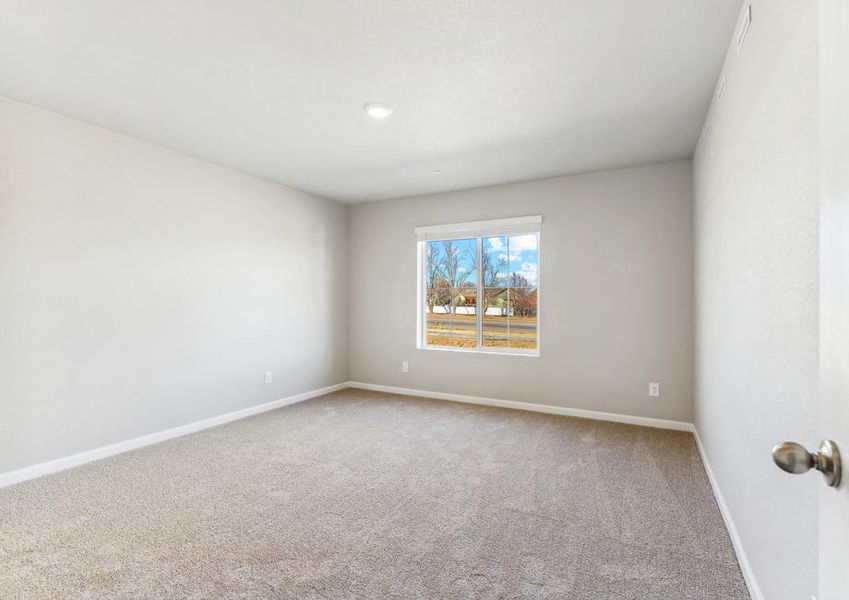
[(523, 353)]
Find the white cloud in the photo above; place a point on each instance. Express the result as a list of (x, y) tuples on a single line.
[(531, 276), (520, 243), (526, 266)]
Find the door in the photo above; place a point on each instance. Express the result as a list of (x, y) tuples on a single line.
[(832, 456), (833, 559)]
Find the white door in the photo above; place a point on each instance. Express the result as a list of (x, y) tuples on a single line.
[(834, 293), (833, 526)]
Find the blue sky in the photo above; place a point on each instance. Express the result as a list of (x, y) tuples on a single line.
[(521, 250)]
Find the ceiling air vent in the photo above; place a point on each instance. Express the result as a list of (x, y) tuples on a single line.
[(720, 93), (744, 26)]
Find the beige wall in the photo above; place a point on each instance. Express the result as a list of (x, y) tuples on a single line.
[(756, 207), (141, 289), (616, 262)]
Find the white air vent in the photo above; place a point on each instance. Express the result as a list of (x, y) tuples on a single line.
[(744, 26), (720, 92)]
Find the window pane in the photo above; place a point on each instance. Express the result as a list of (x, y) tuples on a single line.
[(495, 267), (508, 295), (450, 273), (524, 259), (524, 266), (509, 265)]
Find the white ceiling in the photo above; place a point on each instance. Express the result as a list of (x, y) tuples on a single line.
[(488, 91)]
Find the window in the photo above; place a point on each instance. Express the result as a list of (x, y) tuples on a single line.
[(479, 286)]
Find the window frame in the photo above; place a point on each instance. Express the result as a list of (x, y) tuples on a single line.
[(477, 230)]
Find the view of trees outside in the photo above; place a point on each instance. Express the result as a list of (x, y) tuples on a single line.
[(509, 267), (451, 293)]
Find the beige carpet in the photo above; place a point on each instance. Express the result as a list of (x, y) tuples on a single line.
[(365, 495)]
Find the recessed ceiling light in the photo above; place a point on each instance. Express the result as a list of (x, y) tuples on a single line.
[(378, 110)]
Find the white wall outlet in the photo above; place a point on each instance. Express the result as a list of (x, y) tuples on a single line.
[(268, 377), (654, 389), (405, 367)]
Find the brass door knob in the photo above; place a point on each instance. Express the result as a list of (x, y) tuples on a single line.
[(795, 458)]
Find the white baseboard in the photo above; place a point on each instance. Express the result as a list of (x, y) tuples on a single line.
[(75, 460), (542, 408), (748, 574), (82, 458), (745, 566)]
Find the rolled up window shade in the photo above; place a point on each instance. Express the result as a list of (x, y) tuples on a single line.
[(471, 229)]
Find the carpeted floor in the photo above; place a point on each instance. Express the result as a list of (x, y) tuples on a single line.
[(365, 495)]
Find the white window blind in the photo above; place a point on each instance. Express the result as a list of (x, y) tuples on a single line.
[(471, 229)]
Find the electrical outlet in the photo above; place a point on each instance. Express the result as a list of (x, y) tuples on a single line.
[(268, 377), (654, 389), (405, 367)]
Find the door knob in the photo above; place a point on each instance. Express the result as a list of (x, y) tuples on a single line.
[(794, 458)]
